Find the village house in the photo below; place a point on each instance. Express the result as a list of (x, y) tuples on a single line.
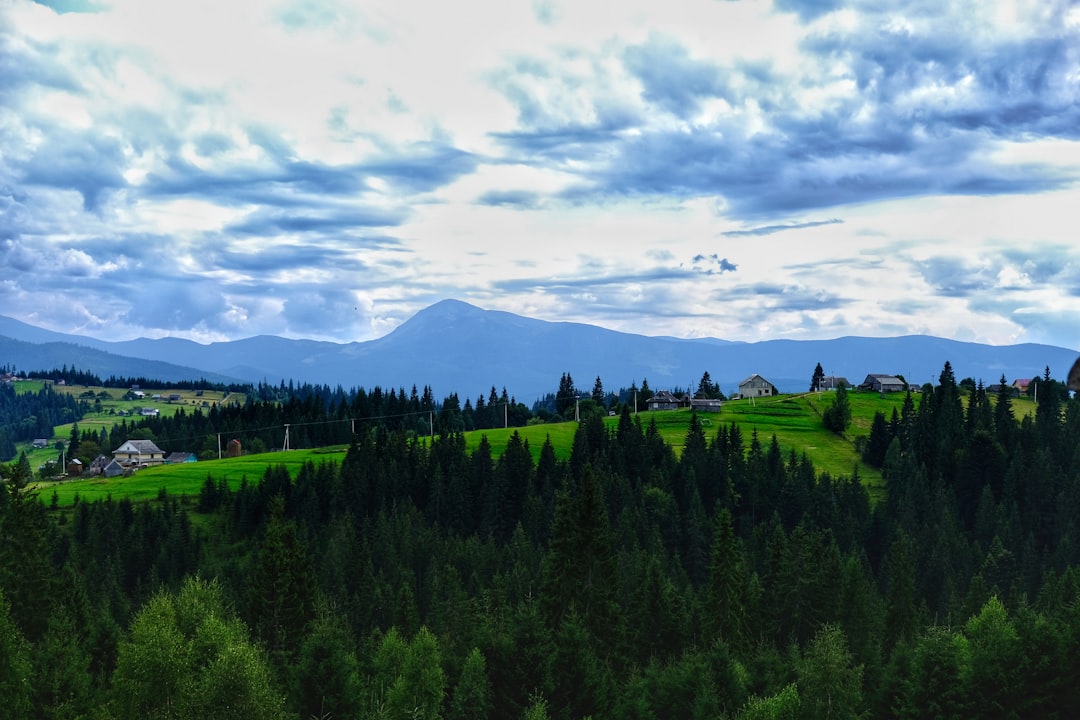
[(664, 400), (998, 388), (180, 457), (105, 466), (882, 383), (756, 386), (139, 453), (97, 465)]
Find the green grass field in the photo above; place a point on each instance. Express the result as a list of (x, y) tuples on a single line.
[(184, 479), (795, 420)]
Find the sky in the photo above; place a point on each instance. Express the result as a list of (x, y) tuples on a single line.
[(739, 169)]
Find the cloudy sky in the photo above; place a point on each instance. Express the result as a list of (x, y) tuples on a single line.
[(741, 169)]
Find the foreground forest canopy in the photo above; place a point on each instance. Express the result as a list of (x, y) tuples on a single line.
[(420, 579)]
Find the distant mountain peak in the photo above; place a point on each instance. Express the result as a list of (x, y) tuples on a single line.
[(449, 308)]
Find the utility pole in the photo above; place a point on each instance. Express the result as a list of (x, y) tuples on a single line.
[(506, 415), (286, 446), (219, 446)]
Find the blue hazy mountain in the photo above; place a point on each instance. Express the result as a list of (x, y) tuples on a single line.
[(54, 354), (456, 347)]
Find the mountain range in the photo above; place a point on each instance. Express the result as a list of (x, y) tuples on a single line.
[(455, 347)]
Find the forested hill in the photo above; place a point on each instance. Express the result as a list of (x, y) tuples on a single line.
[(425, 580)]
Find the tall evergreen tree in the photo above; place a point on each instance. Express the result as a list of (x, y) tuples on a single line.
[(830, 683), (282, 587), (598, 392), (724, 615), (567, 394), (14, 667), (837, 416), (186, 657), (472, 694), (579, 568)]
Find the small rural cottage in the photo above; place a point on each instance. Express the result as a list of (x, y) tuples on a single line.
[(180, 457), (756, 386), (664, 400), (882, 383), (139, 453)]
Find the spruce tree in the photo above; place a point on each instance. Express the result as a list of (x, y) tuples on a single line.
[(724, 614)]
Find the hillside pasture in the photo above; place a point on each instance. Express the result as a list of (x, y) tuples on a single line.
[(184, 479), (795, 420), (110, 407)]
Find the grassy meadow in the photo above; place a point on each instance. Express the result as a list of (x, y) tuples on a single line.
[(795, 420)]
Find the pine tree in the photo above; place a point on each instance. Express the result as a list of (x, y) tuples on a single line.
[(724, 616), (325, 679), (281, 594), (186, 657), (14, 667), (830, 683), (837, 416), (579, 569), (567, 394), (598, 392), (472, 694)]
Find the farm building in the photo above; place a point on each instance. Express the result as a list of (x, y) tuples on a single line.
[(180, 457), (756, 386), (882, 383), (705, 404)]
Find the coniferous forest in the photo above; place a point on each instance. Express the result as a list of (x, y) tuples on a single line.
[(419, 579)]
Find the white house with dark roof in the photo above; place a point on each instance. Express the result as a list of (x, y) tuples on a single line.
[(139, 453)]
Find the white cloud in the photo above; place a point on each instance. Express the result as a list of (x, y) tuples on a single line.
[(566, 160)]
